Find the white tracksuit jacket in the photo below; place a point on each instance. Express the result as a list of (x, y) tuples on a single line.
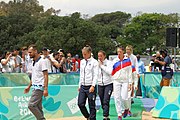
[(88, 72), (134, 62), (105, 70), (122, 70)]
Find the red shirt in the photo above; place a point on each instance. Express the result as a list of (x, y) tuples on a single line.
[(74, 63)]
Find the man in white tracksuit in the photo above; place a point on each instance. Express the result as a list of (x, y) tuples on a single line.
[(105, 84), (122, 76)]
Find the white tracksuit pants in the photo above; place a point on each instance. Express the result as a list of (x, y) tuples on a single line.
[(120, 96), (127, 102), (129, 99)]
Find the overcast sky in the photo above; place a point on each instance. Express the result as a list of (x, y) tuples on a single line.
[(93, 7)]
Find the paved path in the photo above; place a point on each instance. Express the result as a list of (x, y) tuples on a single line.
[(145, 116)]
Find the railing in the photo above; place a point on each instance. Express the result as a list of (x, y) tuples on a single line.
[(22, 79)]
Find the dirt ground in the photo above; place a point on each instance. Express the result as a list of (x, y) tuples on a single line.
[(70, 118), (148, 116), (145, 116)]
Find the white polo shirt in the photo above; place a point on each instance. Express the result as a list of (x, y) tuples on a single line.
[(38, 67)]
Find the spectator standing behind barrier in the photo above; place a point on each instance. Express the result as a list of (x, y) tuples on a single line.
[(105, 84), (18, 58), (122, 76), (167, 72), (39, 82), (76, 63), (174, 65), (69, 55), (46, 56), (26, 62), (62, 61), (24, 58), (8, 63), (88, 77), (69, 65), (55, 64), (157, 66), (141, 67)]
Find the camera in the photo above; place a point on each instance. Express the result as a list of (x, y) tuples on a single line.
[(152, 64)]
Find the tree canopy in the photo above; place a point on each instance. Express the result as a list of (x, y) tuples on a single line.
[(25, 22)]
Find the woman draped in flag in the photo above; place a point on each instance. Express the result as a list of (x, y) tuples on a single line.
[(122, 76)]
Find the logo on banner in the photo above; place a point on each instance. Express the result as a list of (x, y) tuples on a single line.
[(72, 104), (22, 104)]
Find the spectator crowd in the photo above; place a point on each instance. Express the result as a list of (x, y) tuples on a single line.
[(18, 61)]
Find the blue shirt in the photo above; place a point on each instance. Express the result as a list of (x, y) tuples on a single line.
[(141, 67), (168, 61)]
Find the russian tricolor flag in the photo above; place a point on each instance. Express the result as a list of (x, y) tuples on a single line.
[(121, 64), (133, 68)]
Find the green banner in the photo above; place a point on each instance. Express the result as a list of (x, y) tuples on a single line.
[(150, 84), (13, 79), (22, 79), (168, 104), (149, 81), (61, 102)]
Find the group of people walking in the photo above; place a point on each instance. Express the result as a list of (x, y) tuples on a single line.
[(119, 76), (101, 76)]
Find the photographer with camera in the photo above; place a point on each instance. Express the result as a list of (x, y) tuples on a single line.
[(166, 71), (158, 66)]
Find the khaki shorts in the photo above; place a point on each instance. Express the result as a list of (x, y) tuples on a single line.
[(165, 82)]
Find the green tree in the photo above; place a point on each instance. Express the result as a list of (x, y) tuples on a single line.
[(147, 31), (115, 21)]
